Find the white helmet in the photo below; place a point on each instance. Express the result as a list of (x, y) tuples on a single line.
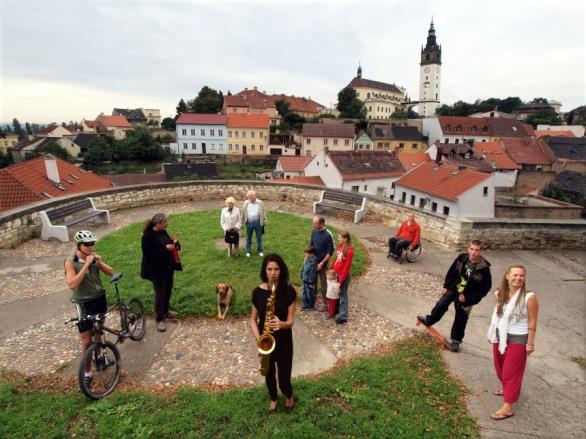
[(84, 236)]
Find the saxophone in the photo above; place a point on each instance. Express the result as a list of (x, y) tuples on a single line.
[(266, 342)]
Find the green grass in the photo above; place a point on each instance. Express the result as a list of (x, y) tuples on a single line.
[(404, 394), (204, 265), (231, 171)]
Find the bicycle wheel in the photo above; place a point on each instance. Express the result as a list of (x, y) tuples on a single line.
[(136, 319), (104, 361), (413, 255)]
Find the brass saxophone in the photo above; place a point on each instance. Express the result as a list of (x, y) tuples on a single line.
[(266, 342)]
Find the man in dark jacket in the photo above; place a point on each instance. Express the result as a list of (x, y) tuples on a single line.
[(322, 242), (468, 280)]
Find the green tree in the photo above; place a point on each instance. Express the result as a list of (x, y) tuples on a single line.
[(99, 151), (57, 150), (28, 128), (509, 104), (17, 128), (5, 159), (399, 113), (221, 99), (181, 108), (168, 123), (349, 106), (143, 146), (207, 101), (544, 117), (282, 107)]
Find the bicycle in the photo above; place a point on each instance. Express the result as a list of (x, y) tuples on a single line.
[(103, 357)]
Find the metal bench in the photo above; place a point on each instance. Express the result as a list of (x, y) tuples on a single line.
[(342, 201), (59, 231)]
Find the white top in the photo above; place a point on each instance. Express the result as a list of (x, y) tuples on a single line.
[(519, 317), (333, 290), (230, 220), (252, 211)]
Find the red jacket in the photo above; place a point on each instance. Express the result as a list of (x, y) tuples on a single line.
[(412, 233), (343, 263)]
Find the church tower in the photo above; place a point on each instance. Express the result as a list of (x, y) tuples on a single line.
[(430, 75)]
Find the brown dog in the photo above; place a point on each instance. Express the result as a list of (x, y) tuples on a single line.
[(224, 293)]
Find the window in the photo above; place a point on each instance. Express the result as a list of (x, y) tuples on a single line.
[(403, 197), (252, 134), (193, 132), (308, 141), (236, 134), (252, 147), (335, 141), (220, 132), (446, 210), (236, 147), (325, 141), (212, 132), (347, 142), (193, 146), (229, 133), (243, 134), (457, 141), (202, 132), (412, 202), (422, 203), (355, 188), (485, 191), (185, 146), (261, 135), (261, 147), (365, 187), (414, 147), (308, 152), (230, 146), (401, 146), (184, 131), (434, 207)]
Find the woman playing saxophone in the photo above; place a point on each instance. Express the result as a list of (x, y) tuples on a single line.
[(275, 272)]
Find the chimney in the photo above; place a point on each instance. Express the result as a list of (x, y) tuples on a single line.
[(51, 168)]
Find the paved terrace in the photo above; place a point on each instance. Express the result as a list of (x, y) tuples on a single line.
[(383, 304)]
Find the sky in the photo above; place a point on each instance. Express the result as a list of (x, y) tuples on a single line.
[(66, 60)]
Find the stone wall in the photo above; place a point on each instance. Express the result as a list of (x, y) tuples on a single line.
[(22, 224)]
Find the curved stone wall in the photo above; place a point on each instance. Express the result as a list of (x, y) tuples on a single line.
[(18, 225)]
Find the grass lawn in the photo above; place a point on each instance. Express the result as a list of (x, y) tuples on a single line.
[(205, 265), (406, 393), (231, 171)]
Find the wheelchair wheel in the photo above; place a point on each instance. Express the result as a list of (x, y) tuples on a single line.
[(414, 254)]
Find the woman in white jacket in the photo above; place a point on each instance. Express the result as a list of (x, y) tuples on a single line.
[(512, 334), (231, 223)]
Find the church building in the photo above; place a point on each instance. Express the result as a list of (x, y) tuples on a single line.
[(430, 75)]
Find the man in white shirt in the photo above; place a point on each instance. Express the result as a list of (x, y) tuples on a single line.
[(254, 217)]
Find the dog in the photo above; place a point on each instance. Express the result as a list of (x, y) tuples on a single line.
[(224, 293)]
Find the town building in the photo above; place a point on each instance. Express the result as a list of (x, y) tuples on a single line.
[(7, 141), (554, 133), (251, 102), (380, 99), (248, 134), (569, 152), (447, 190), (84, 141), (531, 155), (411, 160), (397, 138), (292, 166), (363, 142), (199, 133), (115, 126), (368, 172), (430, 75), (139, 116), (43, 178), (53, 131), (577, 130), (32, 146), (89, 126), (334, 136), (522, 112), (505, 168), (304, 107)]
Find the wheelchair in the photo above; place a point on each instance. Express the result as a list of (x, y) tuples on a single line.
[(409, 255)]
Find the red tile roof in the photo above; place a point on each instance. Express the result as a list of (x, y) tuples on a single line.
[(49, 130), (294, 163), (443, 181), (24, 182), (303, 105), (236, 120), (505, 127), (553, 133), (90, 123), (249, 98), (202, 119), (314, 181), (114, 121), (482, 126), (358, 165), (494, 152), (410, 160), (528, 152), (339, 130)]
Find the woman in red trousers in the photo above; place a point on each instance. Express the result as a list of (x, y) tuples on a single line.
[(512, 334), (342, 266)]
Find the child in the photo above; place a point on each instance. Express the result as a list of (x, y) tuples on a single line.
[(309, 278), (332, 293)]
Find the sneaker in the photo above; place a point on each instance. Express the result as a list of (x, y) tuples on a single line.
[(340, 321), (455, 346), (247, 255), (87, 380), (423, 319), (261, 254), (161, 327)]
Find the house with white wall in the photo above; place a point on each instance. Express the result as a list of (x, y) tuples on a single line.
[(447, 190), (200, 133), (368, 172), (291, 166)]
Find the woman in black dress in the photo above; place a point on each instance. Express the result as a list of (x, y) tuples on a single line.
[(158, 265), (274, 270)]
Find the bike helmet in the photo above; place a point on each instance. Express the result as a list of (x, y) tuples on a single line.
[(84, 236)]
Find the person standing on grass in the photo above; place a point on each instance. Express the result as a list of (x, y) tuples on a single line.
[(255, 218), (512, 334), (158, 265), (231, 223), (467, 281), (308, 279), (342, 265), (82, 271), (323, 243)]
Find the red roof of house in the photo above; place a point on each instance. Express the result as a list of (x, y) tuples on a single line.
[(294, 163), (482, 126), (90, 123), (249, 98), (443, 181), (358, 165), (553, 133), (202, 119), (528, 152), (236, 120), (303, 105), (314, 181), (410, 160), (114, 121), (339, 130), (25, 182), (494, 152), (49, 130)]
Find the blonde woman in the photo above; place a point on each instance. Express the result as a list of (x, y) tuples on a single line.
[(512, 334), (231, 223)]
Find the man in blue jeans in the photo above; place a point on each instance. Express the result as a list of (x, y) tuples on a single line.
[(254, 217)]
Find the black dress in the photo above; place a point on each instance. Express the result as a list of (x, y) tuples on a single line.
[(282, 356), (158, 266)]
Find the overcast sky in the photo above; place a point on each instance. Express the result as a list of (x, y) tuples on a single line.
[(65, 60)]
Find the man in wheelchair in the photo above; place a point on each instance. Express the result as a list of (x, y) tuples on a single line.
[(407, 236)]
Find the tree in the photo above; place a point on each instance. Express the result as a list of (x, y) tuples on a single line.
[(168, 123), (399, 113), (221, 99), (509, 104), (57, 150), (181, 108), (142, 145), (99, 151), (17, 128), (282, 107), (544, 117), (207, 101), (28, 128), (5, 159), (349, 105)]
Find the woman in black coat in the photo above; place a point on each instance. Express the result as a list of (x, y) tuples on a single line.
[(158, 264)]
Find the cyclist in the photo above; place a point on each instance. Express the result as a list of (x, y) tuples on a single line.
[(82, 271)]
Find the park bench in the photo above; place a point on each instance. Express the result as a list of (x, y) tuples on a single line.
[(68, 213), (342, 201)]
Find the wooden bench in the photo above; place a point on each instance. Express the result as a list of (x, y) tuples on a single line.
[(343, 201), (59, 231)]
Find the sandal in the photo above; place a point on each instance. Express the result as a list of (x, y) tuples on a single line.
[(500, 416), (273, 410), (498, 392)]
